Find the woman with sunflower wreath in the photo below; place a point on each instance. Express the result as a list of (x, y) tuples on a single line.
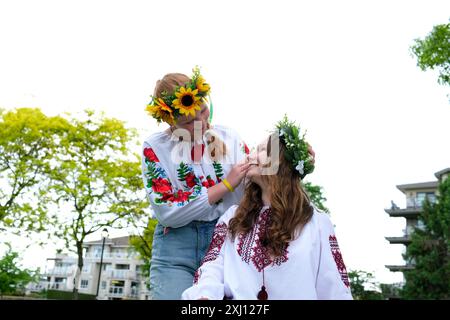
[(192, 173), (275, 244)]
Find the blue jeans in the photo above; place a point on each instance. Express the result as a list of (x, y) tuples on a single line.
[(176, 255)]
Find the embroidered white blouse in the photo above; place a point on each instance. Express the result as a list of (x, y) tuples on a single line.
[(177, 186), (311, 267)]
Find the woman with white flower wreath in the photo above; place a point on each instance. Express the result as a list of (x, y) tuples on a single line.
[(192, 173), (274, 244)]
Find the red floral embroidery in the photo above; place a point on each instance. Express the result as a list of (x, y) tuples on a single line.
[(251, 248), (245, 242), (161, 185), (218, 238), (208, 183), (150, 155), (338, 259), (167, 197), (180, 196), (246, 149), (211, 181), (197, 275), (190, 180)]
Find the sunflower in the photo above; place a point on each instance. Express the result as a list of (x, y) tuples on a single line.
[(202, 86), (187, 101), (161, 111)]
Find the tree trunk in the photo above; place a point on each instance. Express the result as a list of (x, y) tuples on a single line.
[(76, 280)]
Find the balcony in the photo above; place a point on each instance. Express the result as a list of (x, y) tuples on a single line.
[(37, 287), (414, 206), (61, 271), (57, 286), (405, 239), (409, 213), (116, 292), (401, 268), (121, 274), (134, 294), (399, 240), (116, 255)]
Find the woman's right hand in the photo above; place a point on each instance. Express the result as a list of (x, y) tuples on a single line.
[(234, 178), (238, 173)]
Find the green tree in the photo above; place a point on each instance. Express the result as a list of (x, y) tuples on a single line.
[(433, 52), (28, 139), (390, 291), (429, 251), (96, 181), (142, 243), (316, 196), (364, 286), (13, 279)]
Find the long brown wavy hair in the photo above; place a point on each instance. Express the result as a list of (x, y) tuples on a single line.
[(289, 203)]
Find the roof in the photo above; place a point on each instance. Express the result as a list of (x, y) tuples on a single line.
[(420, 185), (120, 241), (442, 172)]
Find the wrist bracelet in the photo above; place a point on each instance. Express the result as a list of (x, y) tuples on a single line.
[(228, 185)]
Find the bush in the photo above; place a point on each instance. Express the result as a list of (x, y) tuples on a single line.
[(67, 295)]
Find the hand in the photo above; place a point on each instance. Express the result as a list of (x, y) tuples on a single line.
[(312, 154), (237, 174)]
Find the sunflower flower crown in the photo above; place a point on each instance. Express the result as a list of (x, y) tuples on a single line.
[(296, 146), (185, 100)]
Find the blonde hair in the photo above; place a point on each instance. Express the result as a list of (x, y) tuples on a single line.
[(217, 149), (169, 82), (215, 146)]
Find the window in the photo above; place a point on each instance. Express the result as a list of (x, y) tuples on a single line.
[(122, 267), (119, 253), (420, 225), (421, 196), (431, 197), (84, 284), (98, 251), (103, 285)]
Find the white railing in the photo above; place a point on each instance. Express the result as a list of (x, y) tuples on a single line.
[(116, 291), (111, 256), (415, 203), (121, 274), (134, 293), (412, 203), (61, 271), (37, 287), (57, 285)]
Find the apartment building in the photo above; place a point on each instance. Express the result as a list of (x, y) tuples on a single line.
[(415, 195), (120, 276)]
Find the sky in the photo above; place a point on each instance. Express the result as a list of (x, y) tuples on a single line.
[(341, 69)]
